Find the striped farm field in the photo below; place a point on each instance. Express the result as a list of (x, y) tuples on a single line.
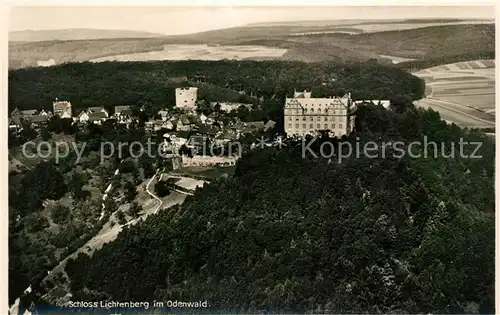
[(463, 87)]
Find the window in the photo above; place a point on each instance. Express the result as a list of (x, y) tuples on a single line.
[(297, 126), (312, 110), (319, 126), (326, 126), (318, 118), (305, 110), (333, 126), (319, 110), (304, 126), (312, 118), (311, 126), (304, 118), (289, 117), (340, 126), (296, 118), (326, 118), (290, 125)]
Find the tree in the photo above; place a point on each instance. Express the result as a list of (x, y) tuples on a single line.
[(162, 189), (243, 113), (130, 191), (75, 186), (28, 133), (134, 209), (43, 182), (45, 134), (217, 108), (127, 166), (121, 217), (148, 167), (110, 205), (36, 222), (60, 214)]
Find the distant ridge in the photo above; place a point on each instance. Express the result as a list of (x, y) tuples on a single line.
[(75, 34), (347, 22)]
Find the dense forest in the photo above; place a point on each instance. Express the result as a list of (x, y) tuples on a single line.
[(304, 234), (138, 83), (265, 84)]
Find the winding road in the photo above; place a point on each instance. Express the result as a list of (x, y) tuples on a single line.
[(109, 232)]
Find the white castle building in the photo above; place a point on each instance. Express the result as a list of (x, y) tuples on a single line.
[(186, 97), (306, 115)]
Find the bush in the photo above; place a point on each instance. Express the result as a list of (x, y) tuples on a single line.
[(60, 214), (36, 223)]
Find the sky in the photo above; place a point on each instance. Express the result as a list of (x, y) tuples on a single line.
[(185, 20)]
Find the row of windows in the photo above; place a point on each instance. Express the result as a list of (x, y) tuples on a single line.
[(318, 118), (341, 111), (326, 104), (318, 126)]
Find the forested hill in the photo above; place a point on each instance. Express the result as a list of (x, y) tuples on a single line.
[(287, 233), (152, 83)]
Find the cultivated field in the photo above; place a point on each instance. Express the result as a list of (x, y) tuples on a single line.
[(384, 27), (200, 52), (462, 92)]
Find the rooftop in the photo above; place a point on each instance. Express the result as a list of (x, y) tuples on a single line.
[(96, 116)]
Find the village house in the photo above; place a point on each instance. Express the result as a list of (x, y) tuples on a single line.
[(243, 127), (269, 125), (43, 112), (184, 124), (93, 114), (98, 109), (209, 131), (123, 110), (97, 117), (226, 136), (29, 112), (123, 114), (202, 118), (83, 117), (163, 114), (62, 109), (15, 124), (213, 118), (149, 125), (36, 118), (160, 124), (37, 121)]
